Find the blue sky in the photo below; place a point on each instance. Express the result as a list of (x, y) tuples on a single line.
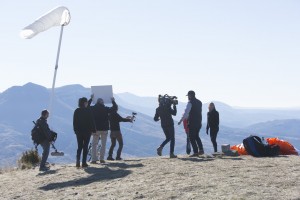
[(244, 53)]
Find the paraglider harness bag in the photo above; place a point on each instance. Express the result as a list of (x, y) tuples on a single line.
[(255, 147), (38, 135)]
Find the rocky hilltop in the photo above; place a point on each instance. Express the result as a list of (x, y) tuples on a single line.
[(242, 177)]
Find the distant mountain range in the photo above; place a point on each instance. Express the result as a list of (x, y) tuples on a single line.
[(20, 105)]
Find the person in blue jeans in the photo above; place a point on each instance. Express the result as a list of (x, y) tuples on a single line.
[(45, 130)]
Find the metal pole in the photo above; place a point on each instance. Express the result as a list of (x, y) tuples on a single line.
[(55, 71)]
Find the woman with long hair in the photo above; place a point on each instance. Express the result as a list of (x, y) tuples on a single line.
[(213, 124), (84, 126)]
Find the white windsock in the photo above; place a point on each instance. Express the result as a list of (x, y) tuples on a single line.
[(59, 16)]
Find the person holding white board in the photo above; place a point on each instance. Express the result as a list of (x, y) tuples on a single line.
[(100, 114)]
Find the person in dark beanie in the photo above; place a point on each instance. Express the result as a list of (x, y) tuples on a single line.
[(83, 124), (193, 113), (213, 124), (115, 133), (45, 130), (164, 113)]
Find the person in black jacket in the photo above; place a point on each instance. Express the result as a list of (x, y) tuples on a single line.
[(83, 124), (115, 133), (213, 124), (100, 114), (193, 113), (45, 130), (164, 112)]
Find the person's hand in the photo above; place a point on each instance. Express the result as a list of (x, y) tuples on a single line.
[(179, 122), (130, 117)]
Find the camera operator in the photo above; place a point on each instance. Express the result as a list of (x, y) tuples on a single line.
[(164, 113)]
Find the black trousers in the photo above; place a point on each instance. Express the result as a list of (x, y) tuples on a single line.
[(83, 141), (116, 136), (170, 137), (195, 138), (213, 137)]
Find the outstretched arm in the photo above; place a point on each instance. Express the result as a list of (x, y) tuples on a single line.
[(90, 100), (186, 112), (114, 107)]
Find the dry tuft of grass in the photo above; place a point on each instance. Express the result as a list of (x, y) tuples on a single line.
[(29, 159)]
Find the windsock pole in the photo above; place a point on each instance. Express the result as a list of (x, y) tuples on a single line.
[(55, 70)]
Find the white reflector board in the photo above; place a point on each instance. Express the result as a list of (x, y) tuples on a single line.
[(105, 92)]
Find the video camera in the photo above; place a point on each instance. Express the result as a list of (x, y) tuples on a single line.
[(167, 100)]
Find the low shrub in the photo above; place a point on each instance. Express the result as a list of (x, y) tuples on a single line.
[(29, 159)]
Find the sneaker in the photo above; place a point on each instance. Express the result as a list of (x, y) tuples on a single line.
[(77, 165), (119, 158), (43, 169), (102, 161), (93, 162), (85, 165), (172, 155), (159, 151), (110, 158)]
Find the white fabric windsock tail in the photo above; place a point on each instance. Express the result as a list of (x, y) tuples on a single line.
[(59, 16)]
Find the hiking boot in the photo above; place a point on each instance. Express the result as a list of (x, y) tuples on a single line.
[(159, 151), (172, 155), (44, 169), (119, 158), (194, 155), (94, 162), (84, 165), (201, 152), (110, 158), (102, 161)]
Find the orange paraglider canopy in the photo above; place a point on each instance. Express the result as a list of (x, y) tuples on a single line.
[(285, 147), (240, 149)]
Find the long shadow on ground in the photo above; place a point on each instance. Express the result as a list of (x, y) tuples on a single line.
[(124, 165), (97, 175), (197, 159)]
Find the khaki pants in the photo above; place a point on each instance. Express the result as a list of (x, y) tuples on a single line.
[(95, 140)]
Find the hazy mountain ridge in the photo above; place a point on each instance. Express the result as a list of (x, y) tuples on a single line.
[(19, 105)]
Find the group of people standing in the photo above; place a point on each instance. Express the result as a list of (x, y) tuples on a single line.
[(95, 121), (193, 116)]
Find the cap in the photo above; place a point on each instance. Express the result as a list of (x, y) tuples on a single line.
[(191, 93)]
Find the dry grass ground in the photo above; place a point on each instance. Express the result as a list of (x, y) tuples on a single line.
[(161, 178)]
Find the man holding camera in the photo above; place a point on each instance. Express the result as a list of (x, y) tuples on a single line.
[(193, 113), (164, 112)]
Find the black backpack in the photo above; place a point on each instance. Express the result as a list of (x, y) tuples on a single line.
[(37, 134), (255, 147)]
